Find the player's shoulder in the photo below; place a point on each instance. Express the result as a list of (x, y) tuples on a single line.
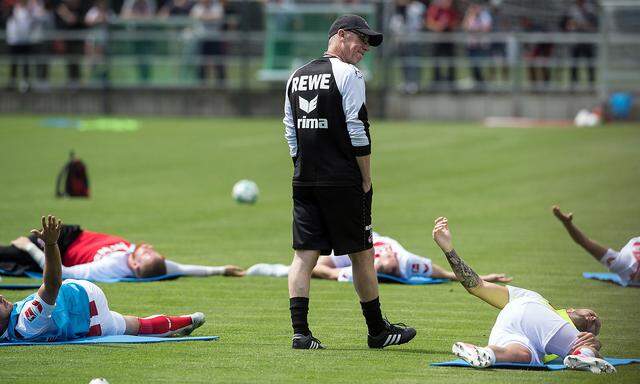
[(346, 70)]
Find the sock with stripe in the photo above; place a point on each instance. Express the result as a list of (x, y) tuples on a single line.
[(373, 316), (161, 324), (299, 307)]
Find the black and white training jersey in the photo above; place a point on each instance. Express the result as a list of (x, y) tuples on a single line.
[(326, 124)]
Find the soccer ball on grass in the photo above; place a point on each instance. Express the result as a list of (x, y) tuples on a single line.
[(245, 192)]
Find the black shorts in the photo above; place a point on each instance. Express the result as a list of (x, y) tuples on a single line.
[(332, 218)]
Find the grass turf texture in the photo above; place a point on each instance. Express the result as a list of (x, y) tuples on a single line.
[(169, 184)]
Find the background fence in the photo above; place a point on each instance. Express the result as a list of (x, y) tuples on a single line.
[(526, 50)]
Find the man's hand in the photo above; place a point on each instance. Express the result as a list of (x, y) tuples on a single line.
[(232, 270), (586, 339), (50, 230), (442, 235), (22, 243), (496, 278), (366, 186), (566, 219)]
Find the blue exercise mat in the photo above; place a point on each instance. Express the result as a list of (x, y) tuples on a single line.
[(123, 339), (19, 286), (555, 365), (607, 276), (36, 275), (413, 280)]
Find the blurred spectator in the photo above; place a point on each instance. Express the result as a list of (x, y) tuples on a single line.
[(176, 8), (70, 18), (210, 14), (405, 23), (45, 22), (582, 17), (19, 28), (139, 10), (477, 21), (503, 51), (537, 55), (98, 18), (442, 17)]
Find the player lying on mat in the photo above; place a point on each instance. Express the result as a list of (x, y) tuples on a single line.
[(528, 329), (71, 309), (391, 258), (625, 263), (96, 256)]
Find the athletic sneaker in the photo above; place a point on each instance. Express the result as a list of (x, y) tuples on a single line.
[(392, 334), (478, 357), (197, 319), (301, 341), (586, 363)]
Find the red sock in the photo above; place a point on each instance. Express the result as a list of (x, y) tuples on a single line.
[(161, 324)]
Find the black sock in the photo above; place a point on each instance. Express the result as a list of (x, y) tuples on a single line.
[(299, 307), (373, 316)]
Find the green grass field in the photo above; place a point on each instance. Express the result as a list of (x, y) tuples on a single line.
[(169, 184)]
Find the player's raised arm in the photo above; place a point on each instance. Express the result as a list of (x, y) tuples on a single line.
[(596, 250), (52, 271), (494, 294)]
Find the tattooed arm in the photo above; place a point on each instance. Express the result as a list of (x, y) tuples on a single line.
[(494, 294)]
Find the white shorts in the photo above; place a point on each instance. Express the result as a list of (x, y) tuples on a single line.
[(103, 321), (341, 261), (532, 324), (625, 263)]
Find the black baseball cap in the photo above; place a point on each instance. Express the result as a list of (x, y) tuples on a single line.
[(356, 23)]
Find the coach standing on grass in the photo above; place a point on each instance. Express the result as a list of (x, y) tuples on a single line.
[(327, 129)]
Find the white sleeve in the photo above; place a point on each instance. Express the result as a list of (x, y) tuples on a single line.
[(34, 318), (350, 82), (414, 265), (516, 293), (345, 274), (113, 266), (174, 268), (289, 126)]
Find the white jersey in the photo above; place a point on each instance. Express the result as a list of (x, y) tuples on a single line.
[(111, 265), (409, 264), (530, 321), (625, 263)]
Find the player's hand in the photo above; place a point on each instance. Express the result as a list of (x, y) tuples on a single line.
[(586, 339), (232, 270), (496, 278), (442, 235), (565, 218), (22, 243), (50, 230), (366, 186)]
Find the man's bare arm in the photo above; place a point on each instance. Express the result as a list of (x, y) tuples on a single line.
[(494, 294), (52, 271), (364, 163), (596, 250), (325, 272)]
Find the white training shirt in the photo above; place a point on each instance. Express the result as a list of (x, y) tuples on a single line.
[(625, 263), (409, 264), (529, 320)]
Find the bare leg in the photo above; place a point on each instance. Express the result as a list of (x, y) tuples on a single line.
[(511, 353), (133, 325), (300, 273), (365, 279)]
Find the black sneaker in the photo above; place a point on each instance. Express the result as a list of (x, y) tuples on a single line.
[(391, 335), (301, 341)]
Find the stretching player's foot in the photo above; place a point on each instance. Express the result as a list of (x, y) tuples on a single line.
[(301, 341), (586, 363), (197, 319), (478, 357), (392, 334)]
